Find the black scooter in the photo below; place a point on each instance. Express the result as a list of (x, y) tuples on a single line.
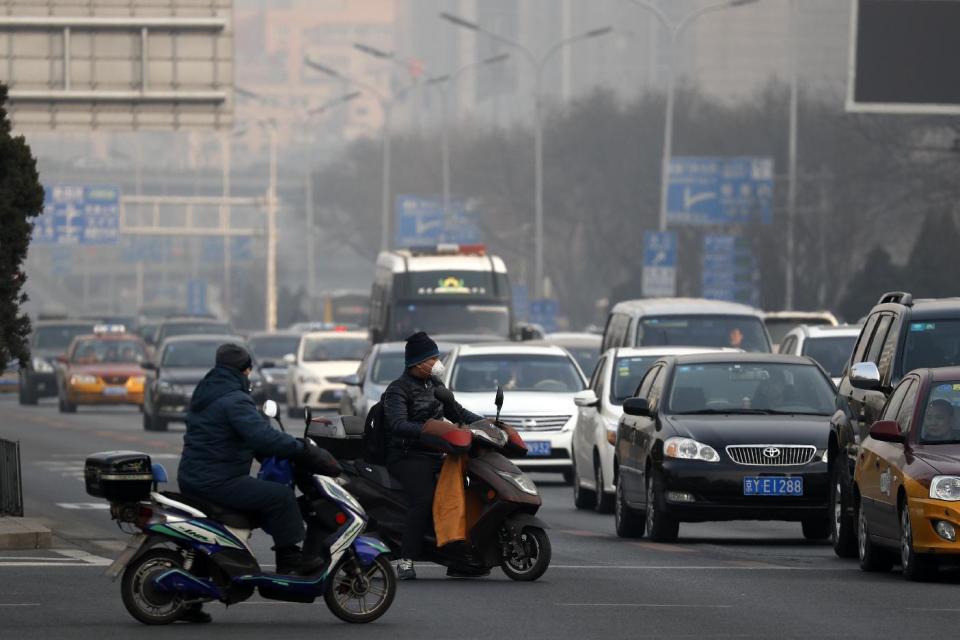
[(507, 532)]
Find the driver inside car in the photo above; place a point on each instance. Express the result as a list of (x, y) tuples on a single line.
[(938, 421)]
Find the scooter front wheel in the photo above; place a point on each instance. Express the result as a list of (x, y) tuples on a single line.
[(142, 599), (532, 559), (361, 594)]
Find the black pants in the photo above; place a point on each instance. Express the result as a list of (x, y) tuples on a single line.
[(418, 474), (275, 503)]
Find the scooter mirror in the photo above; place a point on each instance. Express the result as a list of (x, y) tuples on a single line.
[(270, 409), (499, 401), (307, 416)]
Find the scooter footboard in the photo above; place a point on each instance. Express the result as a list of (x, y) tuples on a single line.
[(368, 548)]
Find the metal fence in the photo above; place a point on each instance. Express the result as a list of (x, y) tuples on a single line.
[(11, 486)]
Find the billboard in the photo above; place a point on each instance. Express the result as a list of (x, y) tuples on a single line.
[(720, 190), (73, 65), (903, 57)]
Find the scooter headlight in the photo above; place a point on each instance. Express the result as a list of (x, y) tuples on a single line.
[(520, 480)]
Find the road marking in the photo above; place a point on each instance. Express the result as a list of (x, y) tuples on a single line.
[(584, 534), (83, 505), (89, 558), (643, 605), (68, 558), (659, 546), (20, 604)]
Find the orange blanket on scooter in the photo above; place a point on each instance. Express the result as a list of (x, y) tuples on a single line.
[(455, 510)]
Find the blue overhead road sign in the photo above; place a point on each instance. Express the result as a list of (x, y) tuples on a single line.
[(78, 214), (720, 190), (659, 264), (422, 221)]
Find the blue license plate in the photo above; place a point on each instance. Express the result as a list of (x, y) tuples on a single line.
[(772, 486), (114, 391), (539, 448)]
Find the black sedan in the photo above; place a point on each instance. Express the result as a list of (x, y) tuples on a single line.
[(724, 436), (180, 363)]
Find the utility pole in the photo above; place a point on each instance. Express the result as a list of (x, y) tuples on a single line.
[(791, 164), (272, 234)]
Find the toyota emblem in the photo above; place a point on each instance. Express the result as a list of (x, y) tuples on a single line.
[(771, 452)]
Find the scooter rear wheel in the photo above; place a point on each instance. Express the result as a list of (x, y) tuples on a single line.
[(538, 552), (144, 602), (361, 598)]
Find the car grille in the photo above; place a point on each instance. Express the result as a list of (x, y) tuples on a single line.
[(533, 423), (115, 379), (771, 455)]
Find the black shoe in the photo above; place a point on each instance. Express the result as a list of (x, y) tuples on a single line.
[(405, 570), (467, 573), (289, 559), (195, 614)]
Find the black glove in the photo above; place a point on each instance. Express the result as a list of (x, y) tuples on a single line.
[(316, 460)]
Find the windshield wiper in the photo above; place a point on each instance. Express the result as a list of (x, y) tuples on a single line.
[(775, 412), (714, 412)]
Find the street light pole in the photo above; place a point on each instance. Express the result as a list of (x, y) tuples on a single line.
[(538, 65), (674, 31), (791, 163), (272, 234)]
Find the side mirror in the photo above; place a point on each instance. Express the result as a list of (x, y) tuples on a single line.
[(636, 407), (268, 364), (148, 365), (270, 409), (290, 359), (887, 431), (865, 375), (586, 398), (351, 380)]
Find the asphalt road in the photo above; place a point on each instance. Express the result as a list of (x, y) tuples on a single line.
[(720, 580)]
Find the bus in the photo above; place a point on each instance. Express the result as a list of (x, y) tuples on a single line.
[(446, 290), (350, 308)]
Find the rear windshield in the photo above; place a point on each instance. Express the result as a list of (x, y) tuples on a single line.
[(519, 372), (832, 353), (780, 327), (199, 355), (186, 329), (627, 373), (323, 349), (746, 387), (274, 347), (932, 344), (95, 351), (741, 332), (59, 336)]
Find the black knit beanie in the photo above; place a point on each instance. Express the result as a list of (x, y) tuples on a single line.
[(419, 348), (234, 356)]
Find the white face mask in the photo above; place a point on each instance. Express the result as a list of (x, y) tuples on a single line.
[(437, 370)]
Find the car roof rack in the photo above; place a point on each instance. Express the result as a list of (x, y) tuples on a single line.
[(897, 297)]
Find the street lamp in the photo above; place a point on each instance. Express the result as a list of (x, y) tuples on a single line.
[(538, 65), (386, 104), (675, 30)]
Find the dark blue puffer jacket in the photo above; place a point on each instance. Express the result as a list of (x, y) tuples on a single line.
[(225, 430)]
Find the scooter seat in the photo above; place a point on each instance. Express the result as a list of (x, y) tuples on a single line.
[(378, 475), (223, 515)]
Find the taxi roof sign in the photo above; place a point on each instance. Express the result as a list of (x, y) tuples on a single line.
[(100, 329)]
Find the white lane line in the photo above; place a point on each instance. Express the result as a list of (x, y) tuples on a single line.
[(643, 605), (86, 558), (83, 505), (20, 604)]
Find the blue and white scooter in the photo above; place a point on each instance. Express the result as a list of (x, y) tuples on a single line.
[(186, 551)]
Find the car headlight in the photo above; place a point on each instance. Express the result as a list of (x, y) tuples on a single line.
[(945, 488), (137, 379), (42, 366), (172, 389), (83, 378), (689, 449), (520, 480)]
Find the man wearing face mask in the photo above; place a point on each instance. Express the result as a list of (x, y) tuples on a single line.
[(408, 403)]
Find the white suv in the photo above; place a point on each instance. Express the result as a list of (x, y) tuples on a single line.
[(599, 409), (539, 383), (313, 373)]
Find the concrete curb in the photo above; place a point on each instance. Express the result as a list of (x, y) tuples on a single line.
[(23, 533)]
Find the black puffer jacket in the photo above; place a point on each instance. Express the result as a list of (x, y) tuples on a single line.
[(407, 404), (224, 433)]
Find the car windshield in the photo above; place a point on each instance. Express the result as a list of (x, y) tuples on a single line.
[(198, 354), (193, 328), (941, 415), (387, 367), (95, 351), (627, 373), (273, 347), (932, 344), (741, 332), (832, 353), (439, 318), (780, 327), (324, 349), (59, 336), (516, 372), (749, 387)]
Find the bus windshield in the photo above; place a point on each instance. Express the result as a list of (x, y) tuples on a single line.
[(447, 318)]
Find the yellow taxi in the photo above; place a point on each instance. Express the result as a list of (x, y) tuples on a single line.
[(102, 368), (907, 480)]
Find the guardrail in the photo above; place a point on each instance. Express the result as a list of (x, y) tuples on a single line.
[(11, 484)]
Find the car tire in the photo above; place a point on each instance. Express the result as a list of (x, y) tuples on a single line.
[(843, 532), (582, 498), (872, 557), (628, 522), (816, 528), (160, 424), (147, 421), (27, 394), (917, 567), (603, 501), (65, 406), (660, 527)]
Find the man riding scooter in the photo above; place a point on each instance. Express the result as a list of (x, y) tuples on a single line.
[(225, 431), (408, 404)]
